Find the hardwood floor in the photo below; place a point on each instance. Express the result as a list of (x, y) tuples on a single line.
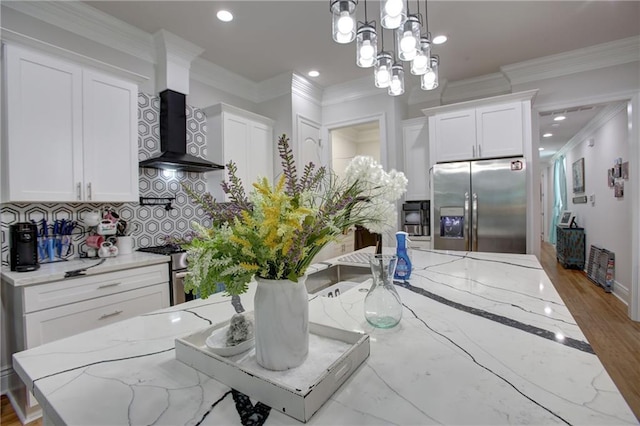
[(601, 316)]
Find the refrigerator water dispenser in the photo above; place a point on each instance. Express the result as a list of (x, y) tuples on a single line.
[(452, 222)]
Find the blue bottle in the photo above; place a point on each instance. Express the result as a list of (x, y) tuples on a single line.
[(403, 268)]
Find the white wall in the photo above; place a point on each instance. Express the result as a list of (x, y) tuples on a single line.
[(607, 223)]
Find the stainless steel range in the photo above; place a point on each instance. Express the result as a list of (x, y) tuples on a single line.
[(177, 271)]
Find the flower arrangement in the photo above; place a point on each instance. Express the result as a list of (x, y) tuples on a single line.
[(275, 231)]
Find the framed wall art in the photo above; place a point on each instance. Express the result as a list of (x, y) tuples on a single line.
[(578, 176)]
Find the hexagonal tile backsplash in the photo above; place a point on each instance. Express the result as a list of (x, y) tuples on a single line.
[(153, 223)]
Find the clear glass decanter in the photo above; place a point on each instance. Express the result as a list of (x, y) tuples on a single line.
[(382, 305)]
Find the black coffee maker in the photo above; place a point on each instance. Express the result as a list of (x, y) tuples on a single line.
[(23, 243)]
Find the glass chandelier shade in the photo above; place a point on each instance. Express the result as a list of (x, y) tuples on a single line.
[(393, 13), (408, 38), (429, 80), (343, 20), (396, 85), (382, 73), (422, 61), (366, 46)]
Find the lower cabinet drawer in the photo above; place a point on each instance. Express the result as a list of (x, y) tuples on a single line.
[(56, 323), (58, 293)]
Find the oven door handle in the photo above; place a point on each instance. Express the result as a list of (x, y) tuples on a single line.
[(182, 275)]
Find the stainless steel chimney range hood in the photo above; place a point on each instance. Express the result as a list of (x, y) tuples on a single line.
[(173, 138)]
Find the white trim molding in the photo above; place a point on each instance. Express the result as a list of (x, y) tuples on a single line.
[(476, 88), (215, 76), (24, 40), (350, 91), (589, 58), (91, 23), (306, 89)]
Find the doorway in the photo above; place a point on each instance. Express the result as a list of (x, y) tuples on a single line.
[(346, 143), (351, 141)]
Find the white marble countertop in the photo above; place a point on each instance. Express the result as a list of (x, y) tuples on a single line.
[(49, 272), (484, 339)]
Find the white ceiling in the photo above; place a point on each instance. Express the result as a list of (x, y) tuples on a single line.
[(268, 38)]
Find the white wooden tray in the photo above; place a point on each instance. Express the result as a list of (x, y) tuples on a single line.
[(334, 354)]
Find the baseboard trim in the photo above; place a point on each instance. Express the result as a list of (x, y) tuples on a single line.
[(621, 292)]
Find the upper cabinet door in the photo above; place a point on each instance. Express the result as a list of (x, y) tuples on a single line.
[(499, 130), (110, 138), (42, 143), (72, 133), (455, 134), (416, 161), (260, 153)]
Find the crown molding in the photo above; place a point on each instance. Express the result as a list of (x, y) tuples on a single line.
[(475, 88), (419, 96), (273, 87), (350, 91), (7, 35), (86, 21), (526, 95), (213, 75), (603, 55), (176, 49), (597, 122), (306, 89)]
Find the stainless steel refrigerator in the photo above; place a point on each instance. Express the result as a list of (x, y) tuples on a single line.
[(480, 206)]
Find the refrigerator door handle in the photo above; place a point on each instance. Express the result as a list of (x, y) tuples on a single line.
[(466, 221), (474, 224)]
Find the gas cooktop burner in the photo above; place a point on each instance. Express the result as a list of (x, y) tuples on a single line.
[(165, 249)]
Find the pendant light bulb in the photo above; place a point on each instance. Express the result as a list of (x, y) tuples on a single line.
[(422, 61), (343, 20), (392, 13), (429, 80), (396, 84), (382, 72), (366, 46), (408, 38), (345, 23)]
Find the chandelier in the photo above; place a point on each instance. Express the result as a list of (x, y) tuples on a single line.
[(411, 41)]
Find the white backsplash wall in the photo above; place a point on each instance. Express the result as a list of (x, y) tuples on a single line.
[(154, 222)]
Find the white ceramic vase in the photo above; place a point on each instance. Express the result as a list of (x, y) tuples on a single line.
[(281, 314)]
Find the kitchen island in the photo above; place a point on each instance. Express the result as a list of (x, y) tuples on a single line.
[(484, 339)]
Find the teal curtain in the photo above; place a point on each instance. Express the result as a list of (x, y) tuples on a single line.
[(559, 196)]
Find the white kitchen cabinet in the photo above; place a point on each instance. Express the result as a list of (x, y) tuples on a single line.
[(240, 136), (71, 132), (41, 313), (485, 132), (415, 140)]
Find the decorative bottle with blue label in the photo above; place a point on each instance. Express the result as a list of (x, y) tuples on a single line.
[(403, 269)]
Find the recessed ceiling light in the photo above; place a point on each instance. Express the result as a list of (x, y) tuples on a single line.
[(547, 135), (559, 118), (555, 125), (313, 73), (439, 39), (540, 149), (224, 16)]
